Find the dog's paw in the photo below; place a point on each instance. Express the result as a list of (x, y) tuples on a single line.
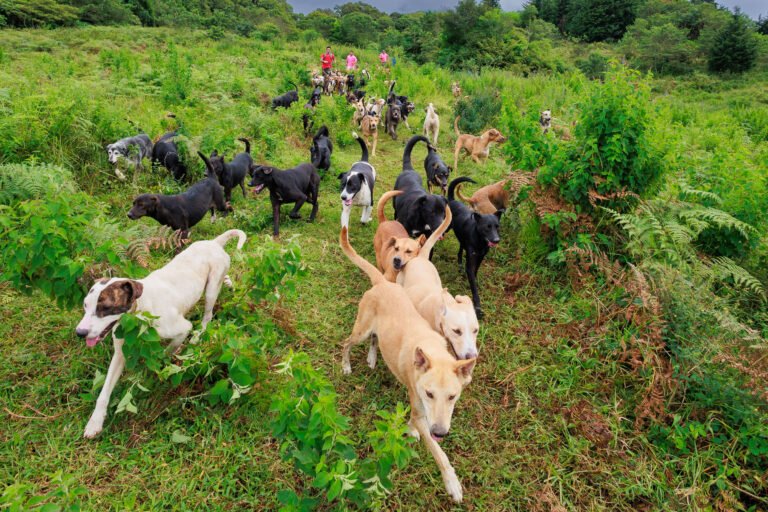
[(294, 216), (414, 433), (371, 359), (346, 368), (453, 486), (92, 429), (228, 282)]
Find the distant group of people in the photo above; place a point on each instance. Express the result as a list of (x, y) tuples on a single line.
[(328, 58)]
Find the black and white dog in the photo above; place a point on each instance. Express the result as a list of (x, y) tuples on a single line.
[(419, 212), (321, 149), (545, 120), (437, 170), (166, 153), (357, 186), (183, 211), (286, 99), (232, 174), (133, 149), (477, 234)]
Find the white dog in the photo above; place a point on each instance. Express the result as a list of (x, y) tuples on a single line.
[(545, 120), (167, 293), (432, 124), (357, 186)]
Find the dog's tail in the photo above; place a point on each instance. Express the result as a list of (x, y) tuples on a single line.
[(391, 88), (452, 186), (409, 147), (247, 145), (383, 202), (296, 87), (456, 126), (375, 276), (459, 194), (363, 147), (226, 236), (436, 234), (322, 132), (209, 172)]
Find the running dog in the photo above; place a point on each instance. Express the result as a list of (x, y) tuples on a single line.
[(392, 245), (369, 125), (286, 99), (321, 150), (437, 171), (432, 124), (233, 173), (488, 199), (416, 355), (475, 147), (357, 186), (133, 149), (298, 185), (167, 293)]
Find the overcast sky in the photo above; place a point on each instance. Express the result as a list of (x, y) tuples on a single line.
[(751, 7)]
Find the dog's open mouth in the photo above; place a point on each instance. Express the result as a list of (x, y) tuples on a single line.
[(92, 342), (258, 188), (492, 244), (437, 438), (347, 202)]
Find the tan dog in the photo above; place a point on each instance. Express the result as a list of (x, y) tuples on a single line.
[(432, 124), (393, 247), (359, 114), (452, 317), (416, 355), (456, 89), (476, 147), (487, 199), (369, 125)]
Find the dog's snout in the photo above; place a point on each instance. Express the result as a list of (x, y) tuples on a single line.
[(81, 332), (130, 215), (397, 262), (438, 432)]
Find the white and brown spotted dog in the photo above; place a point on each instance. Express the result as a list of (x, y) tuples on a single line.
[(167, 293)]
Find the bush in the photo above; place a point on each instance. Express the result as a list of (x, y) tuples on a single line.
[(478, 112), (177, 76), (594, 67), (734, 48)]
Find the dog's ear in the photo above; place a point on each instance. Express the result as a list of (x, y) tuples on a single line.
[(341, 175), (421, 360), (422, 240), (154, 198), (133, 289), (476, 217), (391, 242), (464, 368), (214, 153), (498, 212)]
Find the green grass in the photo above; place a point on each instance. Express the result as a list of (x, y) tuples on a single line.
[(518, 440)]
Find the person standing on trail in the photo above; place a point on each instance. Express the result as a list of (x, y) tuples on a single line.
[(383, 57), (351, 62), (327, 59)]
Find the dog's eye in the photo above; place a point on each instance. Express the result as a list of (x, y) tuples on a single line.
[(408, 251), (475, 331), (451, 398), (430, 395), (457, 331)]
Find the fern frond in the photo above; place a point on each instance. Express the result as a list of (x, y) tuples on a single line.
[(687, 193), (727, 270)]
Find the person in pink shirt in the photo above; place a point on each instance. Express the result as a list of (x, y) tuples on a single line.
[(351, 62), (383, 57)]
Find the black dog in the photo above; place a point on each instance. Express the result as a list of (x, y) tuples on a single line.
[(477, 233), (437, 171), (297, 185), (183, 211), (355, 96), (394, 113), (417, 211), (350, 81), (321, 149), (309, 110), (166, 153), (232, 174), (406, 109), (285, 100)]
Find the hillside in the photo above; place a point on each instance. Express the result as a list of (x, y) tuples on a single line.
[(622, 356)]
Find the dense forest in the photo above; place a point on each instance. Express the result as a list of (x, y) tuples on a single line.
[(662, 36)]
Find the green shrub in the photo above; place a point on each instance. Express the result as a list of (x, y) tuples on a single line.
[(594, 67), (734, 48), (479, 112), (177, 76)]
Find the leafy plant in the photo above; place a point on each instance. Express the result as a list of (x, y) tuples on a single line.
[(64, 495)]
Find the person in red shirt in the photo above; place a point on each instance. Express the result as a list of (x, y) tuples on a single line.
[(327, 59)]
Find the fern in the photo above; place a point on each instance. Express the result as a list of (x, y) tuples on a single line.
[(19, 182), (139, 249), (687, 193), (727, 270)]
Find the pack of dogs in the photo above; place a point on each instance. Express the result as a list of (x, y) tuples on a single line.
[(427, 336)]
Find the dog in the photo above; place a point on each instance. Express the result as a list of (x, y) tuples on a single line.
[(418, 211), (309, 110), (477, 233), (432, 124), (167, 293), (355, 95), (357, 186), (321, 150), (456, 89), (392, 245), (297, 185), (437, 170), (183, 211), (317, 80), (369, 125), (285, 100), (392, 118), (232, 174), (406, 108), (488, 199), (133, 149), (166, 153), (360, 112), (475, 147), (452, 317), (545, 121), (375, 106), (416, 355)]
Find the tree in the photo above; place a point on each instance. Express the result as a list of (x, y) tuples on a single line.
[(734, 48), (35, 13), (762, 25), (600, 20)]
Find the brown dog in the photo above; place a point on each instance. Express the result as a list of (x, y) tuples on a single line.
[(487, 199), (416, 355), (369, 125), (476, 147), (393, 247)]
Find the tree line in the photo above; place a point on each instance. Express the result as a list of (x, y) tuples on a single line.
[(663, 36)]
